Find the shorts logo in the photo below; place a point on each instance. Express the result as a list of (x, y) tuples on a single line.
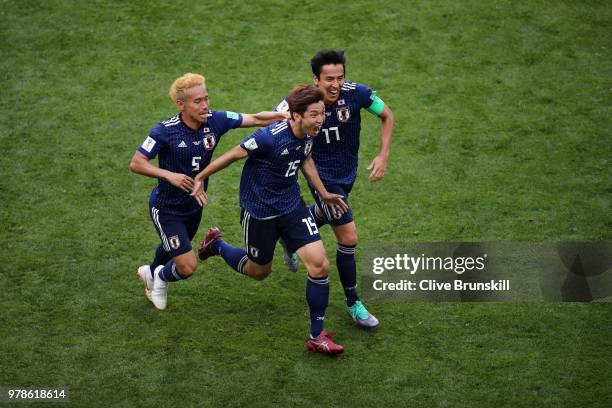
[(253, 251), (343, 114), (175, 242), (209, 141), (307, 147)]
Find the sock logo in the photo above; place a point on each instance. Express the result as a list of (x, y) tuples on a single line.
[(253, 251)]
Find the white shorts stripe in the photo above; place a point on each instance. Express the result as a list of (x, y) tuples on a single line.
[(155, 215), (245, 228)]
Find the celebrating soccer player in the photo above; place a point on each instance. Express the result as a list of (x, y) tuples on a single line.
[(335, 153), (185, 144), (272, 207)]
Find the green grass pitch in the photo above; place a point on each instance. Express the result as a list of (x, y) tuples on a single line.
[(503, 134)]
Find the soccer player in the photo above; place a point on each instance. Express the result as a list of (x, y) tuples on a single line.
[(185, 144), (335, 153), (272, 207)]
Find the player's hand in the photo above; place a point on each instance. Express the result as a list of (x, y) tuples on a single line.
[(286, 115), (378, 168), (182, 181), (335, 203), (199, 194)]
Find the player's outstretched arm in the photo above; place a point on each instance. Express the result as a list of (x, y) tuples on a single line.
[(141, 164), (262, 118), (216, 165), (334, 201), (378, 166)]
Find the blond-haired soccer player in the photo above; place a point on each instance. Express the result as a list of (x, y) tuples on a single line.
[(184, 145)]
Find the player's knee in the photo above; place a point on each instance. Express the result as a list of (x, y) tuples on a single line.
[(319, 269), (261, 275), (348, 239), (186, 269), (260, 272)]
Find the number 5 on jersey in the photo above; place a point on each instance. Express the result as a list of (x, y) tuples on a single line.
[(312, 226)]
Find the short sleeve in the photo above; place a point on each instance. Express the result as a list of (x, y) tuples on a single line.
[(258, 144), (154, 142), (227, 120), (365, 96)]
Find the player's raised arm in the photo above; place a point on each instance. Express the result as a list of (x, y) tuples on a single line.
[(335, 201), (216, 165), (262, 118)]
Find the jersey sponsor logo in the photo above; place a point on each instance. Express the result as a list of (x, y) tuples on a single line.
[(307, 147), (285, 152), (253, 251), (250, 144), (231, 115), (148, 144), (182, 144), (175, 242), (209, 141), (343, 114), (283, 106)]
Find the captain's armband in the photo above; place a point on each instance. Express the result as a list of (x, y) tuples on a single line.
[(377, 105)]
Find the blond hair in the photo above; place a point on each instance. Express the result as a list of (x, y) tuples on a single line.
[(180, 85)]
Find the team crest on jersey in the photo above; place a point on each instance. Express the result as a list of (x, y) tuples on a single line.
[(343, 114), (307, 147), (253, 251), (175, 242), (209, 141)]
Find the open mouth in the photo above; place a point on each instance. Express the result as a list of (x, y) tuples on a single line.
[(333, 93)]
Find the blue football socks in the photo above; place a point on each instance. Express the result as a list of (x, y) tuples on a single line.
[(317, 296), (347, 269)]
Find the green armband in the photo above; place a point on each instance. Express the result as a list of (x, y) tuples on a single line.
[(377, 105)]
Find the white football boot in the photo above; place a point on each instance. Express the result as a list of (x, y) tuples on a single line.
[(144, 275), (159, 293)]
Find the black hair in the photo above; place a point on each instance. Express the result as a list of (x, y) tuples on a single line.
[(325, 57)]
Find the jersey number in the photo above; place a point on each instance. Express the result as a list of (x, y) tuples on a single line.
[(312, 226), (195, 162), (327, 131), (293, 166)]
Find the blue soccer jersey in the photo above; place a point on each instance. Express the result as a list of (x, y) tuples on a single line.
[(335, 149), (269, 186), (186, 151)]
